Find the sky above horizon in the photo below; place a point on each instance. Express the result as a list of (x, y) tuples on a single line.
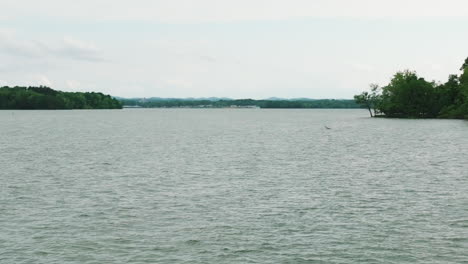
[(237, 49)]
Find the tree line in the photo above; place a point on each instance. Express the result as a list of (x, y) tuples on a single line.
[(410, 96), (175, 103), (43, 97)]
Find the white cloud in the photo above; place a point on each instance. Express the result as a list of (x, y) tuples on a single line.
[(73, 84), (40, 79), (9, 43), (78, 49), (67, 48)]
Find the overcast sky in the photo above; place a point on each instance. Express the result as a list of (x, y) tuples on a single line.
[(228, 48)]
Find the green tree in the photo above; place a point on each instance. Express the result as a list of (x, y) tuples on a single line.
[(463, 109), (465, 65), (46, 98), (407, 95), (370, 101)]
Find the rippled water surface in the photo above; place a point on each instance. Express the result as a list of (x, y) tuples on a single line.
[(231, 186)]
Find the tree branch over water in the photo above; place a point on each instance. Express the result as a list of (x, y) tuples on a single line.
[(410, 96)]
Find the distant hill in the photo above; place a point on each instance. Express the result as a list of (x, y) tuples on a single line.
[(215, 102), (150, 99), (289, 99)]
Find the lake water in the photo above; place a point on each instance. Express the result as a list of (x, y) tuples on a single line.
[(231, 186)]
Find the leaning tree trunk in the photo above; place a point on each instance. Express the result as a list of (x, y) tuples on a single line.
[(370, 111)]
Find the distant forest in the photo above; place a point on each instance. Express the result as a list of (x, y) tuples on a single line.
[(46, 98), (225, 103), (410, 96)]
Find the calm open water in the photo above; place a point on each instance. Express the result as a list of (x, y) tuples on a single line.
[(231, 186)]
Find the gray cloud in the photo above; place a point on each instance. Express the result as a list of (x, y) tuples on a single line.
[(79, 50), (9, 44)]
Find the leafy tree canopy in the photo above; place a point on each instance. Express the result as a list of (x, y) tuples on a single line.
[(46, 98)]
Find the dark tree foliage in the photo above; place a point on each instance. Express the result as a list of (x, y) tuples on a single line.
[(325, 103), (408, 95), (46, 98), (465, 64)]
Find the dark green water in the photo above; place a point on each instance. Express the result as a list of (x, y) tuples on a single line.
[(231, 186)]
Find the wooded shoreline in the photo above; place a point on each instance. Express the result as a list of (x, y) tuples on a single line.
[(43, 98), (410, 96)]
